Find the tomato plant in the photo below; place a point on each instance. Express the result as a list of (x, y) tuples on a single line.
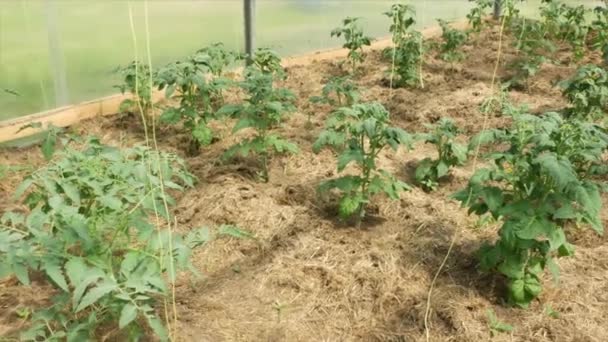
[(452, 41), (199, 91), (531, 47), (450, 153), (566, 23), (500, 103), (534, 187), (354, 38), (338, 91), (407, 52), (136, 80), (263, 109), (587, 91), (268, 61), (478, 13), (88, 230), (359, 133), (217, 58), (599, 27)]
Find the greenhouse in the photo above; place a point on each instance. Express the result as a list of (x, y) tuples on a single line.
[(303, 170)]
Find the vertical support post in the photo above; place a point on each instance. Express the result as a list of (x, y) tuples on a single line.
[(56, 60), (249, 11), (497, 9)]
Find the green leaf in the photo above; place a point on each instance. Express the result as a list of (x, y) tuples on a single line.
[(95, 294), (127, 315), (80, 287), (556, 237), (21, 272), (517, 291), (72, 192), (157, 326), (75, 269), (243, 123), (171, 116), (512, 266), (53, 270), (349, 156), (532, 286), (27, 182), (349, 205), (203, 134), (532, 229), (560, 170), (442, 169)]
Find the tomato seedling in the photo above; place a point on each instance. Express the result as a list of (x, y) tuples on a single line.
[(450, 153), (408, 47), (359, 133), (263, 109), (354, 38)]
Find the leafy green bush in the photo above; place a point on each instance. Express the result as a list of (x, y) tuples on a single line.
[(587, 92), (450, 153), (354, 38), (536, 188), (263, 110), (452, 40), (136, 80), (359, 133), (406, 54), (199, 90), (88, 231)]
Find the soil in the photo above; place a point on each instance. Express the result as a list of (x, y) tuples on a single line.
[(309, 277)]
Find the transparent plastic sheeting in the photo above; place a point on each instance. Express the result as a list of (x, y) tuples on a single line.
[(58, 52)]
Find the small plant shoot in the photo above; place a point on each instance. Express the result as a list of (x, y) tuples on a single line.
[(535, 186), (450, 153), (354, 38), (358, 134), (263, 109)]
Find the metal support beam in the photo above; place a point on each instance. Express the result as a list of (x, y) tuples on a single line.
[(249, 11), (497, 9), (57, 63)]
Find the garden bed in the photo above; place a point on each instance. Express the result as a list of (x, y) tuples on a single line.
[(309, 277)]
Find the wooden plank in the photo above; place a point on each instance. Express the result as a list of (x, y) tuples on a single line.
[(64, 116), (70, 115)]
